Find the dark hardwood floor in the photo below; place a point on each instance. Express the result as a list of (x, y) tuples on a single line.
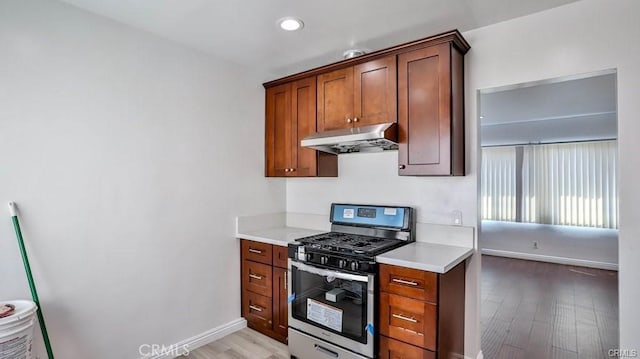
[(543, 310)]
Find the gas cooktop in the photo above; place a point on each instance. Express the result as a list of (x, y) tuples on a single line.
[(346, 243), (358, 234)]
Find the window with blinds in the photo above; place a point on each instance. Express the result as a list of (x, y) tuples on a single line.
[(498, 183), (564, 184)]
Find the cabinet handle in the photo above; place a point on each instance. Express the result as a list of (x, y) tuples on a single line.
[(286, 170), (401, 167), (256, 308), (407, 282), (400, 316), (355, 119), (254, 276), (286, 280), (256, 251), (291, 169), (348, 120)]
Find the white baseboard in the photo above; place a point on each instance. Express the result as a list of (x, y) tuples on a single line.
[(199, 340), (551, 259)]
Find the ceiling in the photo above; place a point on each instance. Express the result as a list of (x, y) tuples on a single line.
[(577, 108), (245, 31)]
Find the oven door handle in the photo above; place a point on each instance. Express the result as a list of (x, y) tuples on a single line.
[(329, 273)]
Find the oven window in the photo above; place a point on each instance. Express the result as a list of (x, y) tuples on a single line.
[(333, 304)]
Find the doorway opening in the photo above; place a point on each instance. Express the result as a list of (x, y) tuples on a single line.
[(549, 217)]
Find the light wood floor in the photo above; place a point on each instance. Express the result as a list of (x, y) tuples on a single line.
[(243, 344), (544, 310)]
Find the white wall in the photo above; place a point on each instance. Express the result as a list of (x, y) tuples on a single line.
[(586, 36), (129, 157), (373, 178), (593, 247), (563, 110)]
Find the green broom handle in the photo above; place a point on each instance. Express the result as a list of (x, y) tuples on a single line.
[(32, 284)]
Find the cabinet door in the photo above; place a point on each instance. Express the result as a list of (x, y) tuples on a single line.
[(280, 312), (375, 92), (304, 123), (278, 130), (424, 111), (335, 99), (394, 349)]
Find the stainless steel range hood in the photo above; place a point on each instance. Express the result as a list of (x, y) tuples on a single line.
[(357, 139)]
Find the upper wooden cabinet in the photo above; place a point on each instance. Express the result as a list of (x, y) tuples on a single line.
[(335, 99), (291, 116), (431, 111), (360, 95), (419, 85)]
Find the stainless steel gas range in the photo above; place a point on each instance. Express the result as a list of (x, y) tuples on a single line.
[(332, 285)]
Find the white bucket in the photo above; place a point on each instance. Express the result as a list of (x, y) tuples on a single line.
[(16, 330)]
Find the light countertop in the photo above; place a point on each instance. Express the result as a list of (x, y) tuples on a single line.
[(438, 258), (280, 236), (432, 252)]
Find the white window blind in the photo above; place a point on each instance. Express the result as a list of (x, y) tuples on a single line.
[(498, 183), (571, 184)]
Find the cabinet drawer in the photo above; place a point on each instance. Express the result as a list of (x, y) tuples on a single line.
[(394, 349), (409, 320), (256, 251), (280, 255), (408, 282), (257, 277), (256, 309)]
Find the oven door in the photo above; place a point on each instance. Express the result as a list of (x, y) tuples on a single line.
[(333, 306)]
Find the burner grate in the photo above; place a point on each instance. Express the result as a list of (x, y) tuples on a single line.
[(349, 243)]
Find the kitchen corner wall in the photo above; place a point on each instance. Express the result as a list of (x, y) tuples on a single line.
[(129, 157)]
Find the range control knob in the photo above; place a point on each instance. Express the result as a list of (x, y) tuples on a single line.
[(324, 260), (354, 266), (342, 263)]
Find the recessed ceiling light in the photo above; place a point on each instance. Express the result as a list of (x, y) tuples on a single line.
[(353, 53), (290, 23)]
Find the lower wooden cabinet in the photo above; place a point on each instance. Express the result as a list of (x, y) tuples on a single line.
[(395, 349), (264, 288), (421, 313)]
